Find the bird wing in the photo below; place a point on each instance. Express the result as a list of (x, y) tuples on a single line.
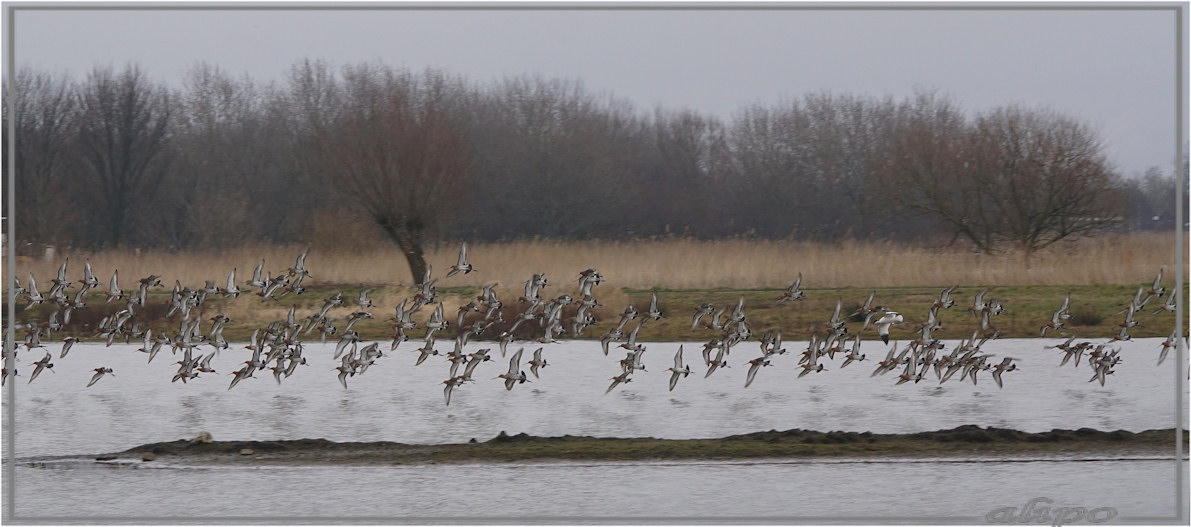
[(633, 334), (615, 380), (946, 293), (715, 319), (33, 292), (515, 361)]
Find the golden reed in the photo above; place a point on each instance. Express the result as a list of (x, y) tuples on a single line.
[(667, 263)]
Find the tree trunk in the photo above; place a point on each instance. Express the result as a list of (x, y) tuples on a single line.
[(413, 255), (409, 240)]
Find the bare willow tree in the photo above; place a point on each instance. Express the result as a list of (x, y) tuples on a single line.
[(1016, 177), (399, 149), (123, 134)]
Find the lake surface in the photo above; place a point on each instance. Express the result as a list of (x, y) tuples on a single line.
[(57, 415), (812, 491)]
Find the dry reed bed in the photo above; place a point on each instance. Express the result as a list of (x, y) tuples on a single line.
[(664, 264)]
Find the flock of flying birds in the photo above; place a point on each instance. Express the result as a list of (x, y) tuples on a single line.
[(278, 346)]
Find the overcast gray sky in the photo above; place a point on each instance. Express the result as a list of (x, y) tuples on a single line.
[(1114, 69)]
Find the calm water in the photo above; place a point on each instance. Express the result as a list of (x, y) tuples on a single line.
[(963, 491), (396, 401)]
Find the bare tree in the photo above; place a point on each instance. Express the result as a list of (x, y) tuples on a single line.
[(122, 135), (294, 118), (925, 172), (43, 111), (1149, 196), (1013, 177), (399, 150), (848, 135), (220, 149), (225, 160), (314, 95), (765, 167), (804, 167), (1045, 175), (690, 147), (556, 160)]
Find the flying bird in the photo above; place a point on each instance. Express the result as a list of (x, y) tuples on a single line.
[(885, 322), (537, 362), (99, 373), (756, 365), (679, 370), (793, 292), (461, 266)]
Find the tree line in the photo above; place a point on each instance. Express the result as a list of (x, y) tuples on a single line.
[(355, 153)]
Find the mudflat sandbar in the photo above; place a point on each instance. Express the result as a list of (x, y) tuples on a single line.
[(962, 442)]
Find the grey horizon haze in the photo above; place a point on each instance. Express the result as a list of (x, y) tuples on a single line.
[(1112, 68)]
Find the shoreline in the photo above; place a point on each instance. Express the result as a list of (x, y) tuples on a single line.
[(961, 442)]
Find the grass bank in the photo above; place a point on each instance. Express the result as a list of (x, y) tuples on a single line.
[(1027, 308), (1101, 274)]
